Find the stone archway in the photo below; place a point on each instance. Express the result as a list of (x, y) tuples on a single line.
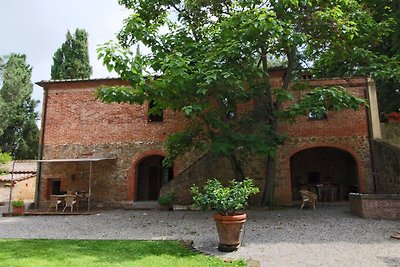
[(330, 172), (150, 177)]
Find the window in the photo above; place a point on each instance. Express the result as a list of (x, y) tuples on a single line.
[(53, 187), (314, 116), (230, 112), (154, 114)]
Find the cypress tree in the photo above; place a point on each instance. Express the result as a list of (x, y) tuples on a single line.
[(71, 60)]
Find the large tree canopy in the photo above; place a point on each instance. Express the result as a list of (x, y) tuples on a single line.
[(71, 60), (207, 58), (19, 134), (374, 51)]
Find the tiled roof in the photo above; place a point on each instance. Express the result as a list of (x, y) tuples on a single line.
[(76, 80), (17, 176), (20, 166)]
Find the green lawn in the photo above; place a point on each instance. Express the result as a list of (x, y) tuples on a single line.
[(86, 253)]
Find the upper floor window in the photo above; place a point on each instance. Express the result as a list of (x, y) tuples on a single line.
[(315, 116), (154, 115), (230, 112)]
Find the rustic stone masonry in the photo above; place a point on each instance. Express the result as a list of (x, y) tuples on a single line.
[(387, 167)]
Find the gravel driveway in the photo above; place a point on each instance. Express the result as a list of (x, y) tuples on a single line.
[(329, 236)]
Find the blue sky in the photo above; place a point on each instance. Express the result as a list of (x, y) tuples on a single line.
[(37, 29)]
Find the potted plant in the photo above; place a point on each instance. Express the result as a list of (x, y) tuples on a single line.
[(166, 201), (229, 202), (18, 207)]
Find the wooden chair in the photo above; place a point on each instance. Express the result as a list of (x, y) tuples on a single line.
[(308, 197), (69, 202), (54, 202)]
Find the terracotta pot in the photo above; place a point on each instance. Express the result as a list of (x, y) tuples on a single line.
[(18, 210), (230, 229)]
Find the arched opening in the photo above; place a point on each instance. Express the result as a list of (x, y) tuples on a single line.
[(151, 176), (329, 172)]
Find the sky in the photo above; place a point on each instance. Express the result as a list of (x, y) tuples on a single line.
[(37, 28)]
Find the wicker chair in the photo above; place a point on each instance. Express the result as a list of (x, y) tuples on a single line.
[(308, 197), (54, 202), (69, 202)]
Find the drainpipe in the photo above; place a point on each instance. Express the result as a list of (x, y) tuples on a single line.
[(11, 186), (41, 146), (374, 130)]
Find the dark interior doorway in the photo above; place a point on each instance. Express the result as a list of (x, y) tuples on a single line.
[(329, 172), (151, 176)]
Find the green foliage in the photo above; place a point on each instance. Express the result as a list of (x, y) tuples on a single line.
[(320, 100), (166, 199), (71, 60), (374, 51), (19, 134), (208, 59), (5, 157), (226, 200), (18, 203), (93, 253)]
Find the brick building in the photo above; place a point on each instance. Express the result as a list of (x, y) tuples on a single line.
[(114, 151)]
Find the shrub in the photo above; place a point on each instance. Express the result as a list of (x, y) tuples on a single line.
[(166, 199), (18, 203), (226, 200)]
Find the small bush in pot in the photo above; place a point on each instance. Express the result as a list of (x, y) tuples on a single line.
[(18, 206), (228, 201), (166, 201)]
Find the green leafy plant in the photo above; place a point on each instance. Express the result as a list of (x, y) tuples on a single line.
[(4, 158), (18, 203), (166, 199), (226, 200)]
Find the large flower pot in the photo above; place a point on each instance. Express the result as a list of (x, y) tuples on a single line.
[(230, 229)]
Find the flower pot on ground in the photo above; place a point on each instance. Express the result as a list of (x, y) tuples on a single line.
[(165, 201), (228, 201), (18, 207)]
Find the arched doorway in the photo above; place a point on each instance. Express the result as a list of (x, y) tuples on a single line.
[(330, 172), (151, 176)]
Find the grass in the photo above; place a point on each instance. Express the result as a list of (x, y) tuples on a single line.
[(87, 253)]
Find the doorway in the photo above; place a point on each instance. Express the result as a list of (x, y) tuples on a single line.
[(151, 176), (329, 172)]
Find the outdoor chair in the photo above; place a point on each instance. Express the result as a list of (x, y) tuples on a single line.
[(69, 203), (54, 202), (308, 197)]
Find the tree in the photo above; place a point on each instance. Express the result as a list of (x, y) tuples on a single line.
[(215, 57), (71, 61), (374, 51), (19, 134)]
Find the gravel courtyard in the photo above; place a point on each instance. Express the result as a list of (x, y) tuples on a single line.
[(328, 236)]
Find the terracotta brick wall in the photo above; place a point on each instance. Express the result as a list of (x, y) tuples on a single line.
[(74, 116), (376, 206)]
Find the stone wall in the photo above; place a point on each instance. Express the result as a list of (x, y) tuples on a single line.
[(391, 133), (114, 181), (211, 166), (387, 167)]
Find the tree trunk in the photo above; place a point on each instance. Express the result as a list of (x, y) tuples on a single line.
[(269, 106), (236, 167), (269, 186)]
